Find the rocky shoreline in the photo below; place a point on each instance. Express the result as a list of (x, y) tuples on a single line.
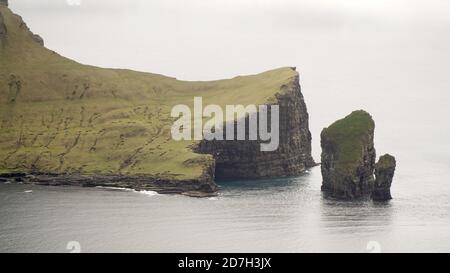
[(193, 188)]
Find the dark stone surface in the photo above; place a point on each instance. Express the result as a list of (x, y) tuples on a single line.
[(243, 159), (38, 39), (384, 173), (3, 30)]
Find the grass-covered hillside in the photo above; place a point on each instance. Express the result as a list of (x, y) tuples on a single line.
[(62, 117)]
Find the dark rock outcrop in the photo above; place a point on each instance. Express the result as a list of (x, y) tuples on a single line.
[(348, 156), (38, 39), (243, 159), (3, 30), (384, 173)]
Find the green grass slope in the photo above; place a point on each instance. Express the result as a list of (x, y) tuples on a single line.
[(61, 117)]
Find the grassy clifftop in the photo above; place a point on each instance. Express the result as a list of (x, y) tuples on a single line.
[(61, 117), (348, 138)]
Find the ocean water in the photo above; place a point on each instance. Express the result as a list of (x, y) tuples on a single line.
[(276, 215)]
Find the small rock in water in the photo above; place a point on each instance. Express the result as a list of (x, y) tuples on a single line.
[(384, 173)]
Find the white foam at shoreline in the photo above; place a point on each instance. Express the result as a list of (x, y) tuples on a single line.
[(115, 188), (150, 193)]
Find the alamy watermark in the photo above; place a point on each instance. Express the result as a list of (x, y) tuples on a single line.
[(234, 117)]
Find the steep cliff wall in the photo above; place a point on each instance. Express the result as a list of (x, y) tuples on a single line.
[(3, 30), (244, 159)]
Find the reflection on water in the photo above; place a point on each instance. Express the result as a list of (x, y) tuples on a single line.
[(273, 215)]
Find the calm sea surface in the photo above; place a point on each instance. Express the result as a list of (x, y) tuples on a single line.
[(282, 215)]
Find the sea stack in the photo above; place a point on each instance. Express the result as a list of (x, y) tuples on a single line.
[(384, 173), (348, 156)]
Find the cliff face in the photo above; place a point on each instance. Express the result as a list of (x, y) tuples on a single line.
[(3, 30), (243, 159), (384, 173), (62, 122), (348, 156)]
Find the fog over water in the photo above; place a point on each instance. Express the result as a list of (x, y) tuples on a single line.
[(390, 58)]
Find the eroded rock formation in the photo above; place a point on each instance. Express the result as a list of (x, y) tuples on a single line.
[(384, 173), (38, 39), (348, 160), (348, 156), (3, 30), (243, 159)]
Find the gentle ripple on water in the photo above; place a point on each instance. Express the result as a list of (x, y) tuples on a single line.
[(283, 215)]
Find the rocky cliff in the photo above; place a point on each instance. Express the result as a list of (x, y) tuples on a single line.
[(3, 31), (348, 156), (348, 160), (62, 122), (244, 159), (384, 173)]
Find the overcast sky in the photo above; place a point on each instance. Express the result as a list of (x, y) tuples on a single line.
[(205, 39), (389, 57)]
